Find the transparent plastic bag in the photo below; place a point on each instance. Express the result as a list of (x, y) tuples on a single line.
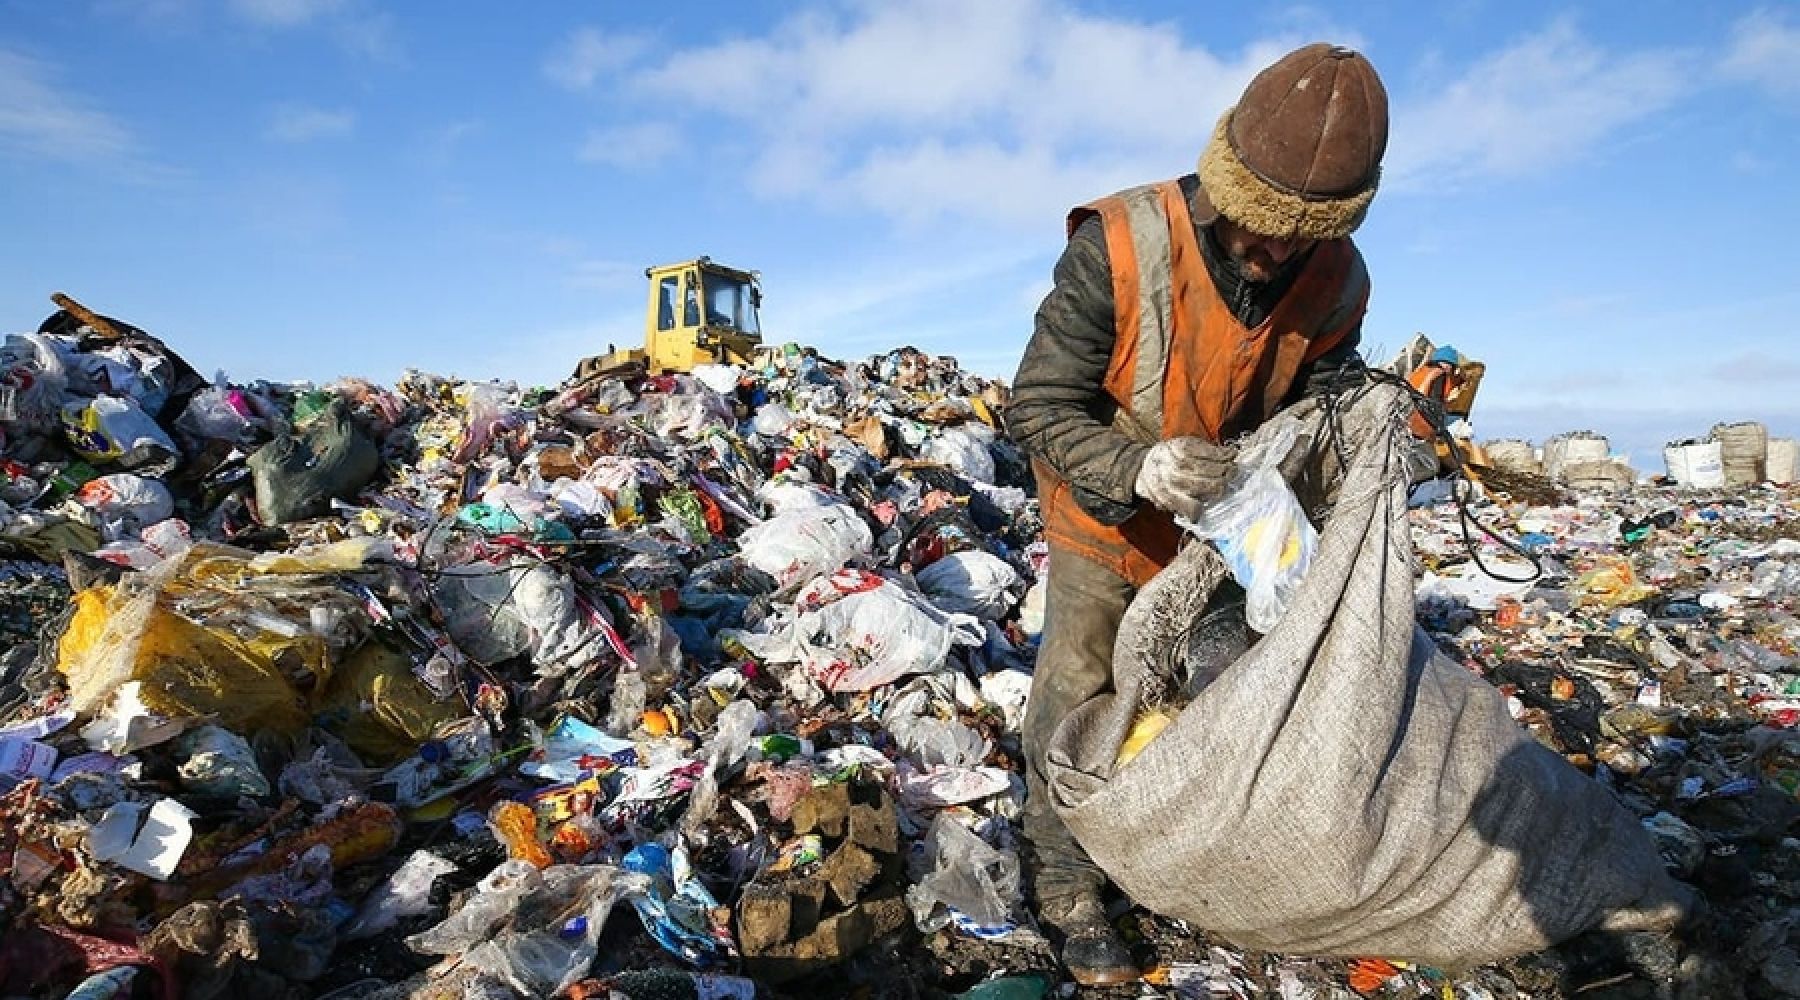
[(1261, 529), (555, 931), (496, 898), (967, 876)]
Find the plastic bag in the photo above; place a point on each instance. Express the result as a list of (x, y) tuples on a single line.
[(220, 763), (555, 931), (967, 876), (1261, 529), (722, 379), (185, 669), (973, 582), (964, 449), (487, 415), (406, 893), (298, 474), (723, 753), (123, 505), (218, 413), (799, 546), (1612, 584), (677, 909), (497, 613), (376, 704), (857, 631), (496, 898), (116, 429), (772, 420)]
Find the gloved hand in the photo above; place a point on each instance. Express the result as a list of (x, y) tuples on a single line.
[(1182, 475)]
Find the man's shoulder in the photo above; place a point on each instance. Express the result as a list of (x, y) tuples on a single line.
[(1187, 182)]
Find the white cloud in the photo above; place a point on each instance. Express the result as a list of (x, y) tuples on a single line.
[(1540, 102), (1765, 50), (588, 54), (631, 146), (372, 36), (39, 119), (298, 123), (1007, 110), (285, 13), (350, 24)]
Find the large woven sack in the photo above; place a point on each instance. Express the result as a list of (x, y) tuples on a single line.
[(1343, 788)]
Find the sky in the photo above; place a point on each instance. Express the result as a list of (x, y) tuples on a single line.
[(1594, 200)]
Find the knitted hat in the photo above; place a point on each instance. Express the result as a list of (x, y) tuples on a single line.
[(1300, 154)]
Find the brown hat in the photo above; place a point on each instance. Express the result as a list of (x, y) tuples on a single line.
[(1300, 154)]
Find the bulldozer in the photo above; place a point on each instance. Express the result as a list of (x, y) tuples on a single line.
[(700, 312)]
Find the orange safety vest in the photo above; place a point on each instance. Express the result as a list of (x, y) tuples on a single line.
[(1182, 364)]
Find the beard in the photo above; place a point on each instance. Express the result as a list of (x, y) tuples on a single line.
[(1256, 266)]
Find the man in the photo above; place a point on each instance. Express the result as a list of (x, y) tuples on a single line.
[(1184, 315)]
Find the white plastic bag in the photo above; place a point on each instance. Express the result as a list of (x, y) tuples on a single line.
[(858, 631), (1261, 529), (123, 505), (772, 420), (219, 413), (964, 449), (974, 582), (798, 546), (406, 893), (116, 429), (722, 379)]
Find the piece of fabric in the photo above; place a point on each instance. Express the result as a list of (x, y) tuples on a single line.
[(1344, 788), (1074, 664), (1182, 364)]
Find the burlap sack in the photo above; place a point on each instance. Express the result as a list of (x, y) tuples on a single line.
[(1344, 788)]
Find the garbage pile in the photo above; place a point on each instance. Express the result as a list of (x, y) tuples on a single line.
[(696, 685)]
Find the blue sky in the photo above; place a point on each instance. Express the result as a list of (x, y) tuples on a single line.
[(1596, 200)]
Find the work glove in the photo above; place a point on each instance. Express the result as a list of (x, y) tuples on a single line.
[(1182, 475)]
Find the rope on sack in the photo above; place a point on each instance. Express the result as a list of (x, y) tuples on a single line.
[(1355, 378)]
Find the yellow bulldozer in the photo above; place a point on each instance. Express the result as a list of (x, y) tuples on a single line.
[(700, 312)]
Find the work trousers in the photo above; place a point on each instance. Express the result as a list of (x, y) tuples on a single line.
[(1085, 602)]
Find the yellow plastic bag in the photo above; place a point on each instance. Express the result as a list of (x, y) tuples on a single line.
[(375, 704), (256, 679), (1612, 584)]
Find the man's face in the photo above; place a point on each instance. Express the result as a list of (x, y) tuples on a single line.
[(1258, 257)]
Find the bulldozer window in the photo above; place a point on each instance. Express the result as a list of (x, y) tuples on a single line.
[(729, 304), (666, 292), (690, 313)]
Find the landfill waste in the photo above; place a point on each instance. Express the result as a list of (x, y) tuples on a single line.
[(710, 685)]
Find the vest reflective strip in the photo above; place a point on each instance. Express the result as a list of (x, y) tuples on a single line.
[(1149, 226)]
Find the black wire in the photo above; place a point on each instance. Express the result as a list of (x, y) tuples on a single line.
[(1356, 377)]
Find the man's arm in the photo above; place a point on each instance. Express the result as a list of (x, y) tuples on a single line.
[(1060, 409)]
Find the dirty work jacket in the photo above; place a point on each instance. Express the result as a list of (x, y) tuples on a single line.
[(1135, 345)]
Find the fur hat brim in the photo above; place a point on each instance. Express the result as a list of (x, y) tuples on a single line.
[(1248, 200)]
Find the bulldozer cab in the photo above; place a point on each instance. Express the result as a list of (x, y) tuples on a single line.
[(701, 312)]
